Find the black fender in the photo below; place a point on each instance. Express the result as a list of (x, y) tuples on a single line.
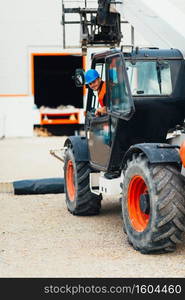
[(156, 153), (80, 147)]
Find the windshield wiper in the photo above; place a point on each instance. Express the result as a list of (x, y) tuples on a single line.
[(158, 69)]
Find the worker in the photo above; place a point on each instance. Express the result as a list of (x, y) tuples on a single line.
[(92, 78)]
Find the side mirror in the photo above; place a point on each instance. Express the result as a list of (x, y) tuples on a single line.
[(79, 78)]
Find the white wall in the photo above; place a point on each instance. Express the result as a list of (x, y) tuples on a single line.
[(16, 117), (25, 26), (159, 22)]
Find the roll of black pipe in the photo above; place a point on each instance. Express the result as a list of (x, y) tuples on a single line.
[(39, 186)]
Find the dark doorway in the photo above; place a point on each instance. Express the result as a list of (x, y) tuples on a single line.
[(53, 83)]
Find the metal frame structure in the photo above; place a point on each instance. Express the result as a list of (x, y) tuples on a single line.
[(98, 26)]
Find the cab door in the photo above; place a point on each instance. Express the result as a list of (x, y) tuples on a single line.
[(119, 103), (119, 98)]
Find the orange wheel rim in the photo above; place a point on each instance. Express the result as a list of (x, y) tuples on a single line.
[(138, 218), (70, 180)]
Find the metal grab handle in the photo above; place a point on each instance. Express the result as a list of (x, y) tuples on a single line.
[(61, 156)]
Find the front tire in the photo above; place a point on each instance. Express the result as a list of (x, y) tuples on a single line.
[(153, 206), (79, 199)]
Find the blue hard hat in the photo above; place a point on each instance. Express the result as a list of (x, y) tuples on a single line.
[(91, 75)]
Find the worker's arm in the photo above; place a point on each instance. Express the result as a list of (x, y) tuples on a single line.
[(101, 111)]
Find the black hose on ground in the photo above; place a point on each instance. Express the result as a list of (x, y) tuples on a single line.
[(39, 186)]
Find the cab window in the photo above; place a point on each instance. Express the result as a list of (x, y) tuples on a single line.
[(149, 77)]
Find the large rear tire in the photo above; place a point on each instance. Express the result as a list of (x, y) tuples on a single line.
[(153, 206), (79, 199)]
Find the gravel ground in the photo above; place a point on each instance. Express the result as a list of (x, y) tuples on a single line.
[(40, 238)]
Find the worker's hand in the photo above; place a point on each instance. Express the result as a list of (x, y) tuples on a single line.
[(101, 111)]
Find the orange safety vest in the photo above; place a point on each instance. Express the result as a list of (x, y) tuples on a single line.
[(101, 94)]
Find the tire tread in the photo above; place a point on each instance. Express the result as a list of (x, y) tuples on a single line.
[(170, 208)]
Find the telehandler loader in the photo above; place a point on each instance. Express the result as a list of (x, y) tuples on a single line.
[(145, 111), (140, 139)]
